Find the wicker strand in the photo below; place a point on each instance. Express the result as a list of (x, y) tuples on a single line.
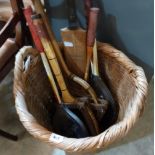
[(130, 108)]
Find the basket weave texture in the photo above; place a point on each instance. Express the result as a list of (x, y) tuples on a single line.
[(33, 97)]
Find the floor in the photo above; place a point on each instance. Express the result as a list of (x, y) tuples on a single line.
[(138, 142)]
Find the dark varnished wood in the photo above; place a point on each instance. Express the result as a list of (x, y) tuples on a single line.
[(7, 30), (8, 135)]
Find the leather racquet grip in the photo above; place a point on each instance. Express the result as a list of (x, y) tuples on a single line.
[(92, 25)]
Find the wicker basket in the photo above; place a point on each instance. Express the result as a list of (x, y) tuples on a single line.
[(33, 98)]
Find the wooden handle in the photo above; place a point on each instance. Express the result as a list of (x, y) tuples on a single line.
[(28, 13), (8, 28), (50, 76), (86, 86), (91, 34), (37, 20), (6, 69), (95, 69), (5, 10), (89, 56), (17, 6), (7, 50), (40, 9)]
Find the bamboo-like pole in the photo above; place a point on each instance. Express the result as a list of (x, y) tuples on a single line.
[(40, 10), (27, 13), (42, 32)]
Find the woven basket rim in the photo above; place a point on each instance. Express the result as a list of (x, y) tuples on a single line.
[(117, 131)]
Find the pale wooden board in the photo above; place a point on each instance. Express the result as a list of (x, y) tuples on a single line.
[(75, 50)]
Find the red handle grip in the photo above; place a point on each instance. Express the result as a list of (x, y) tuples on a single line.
[(28, 13), (92, 25)]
